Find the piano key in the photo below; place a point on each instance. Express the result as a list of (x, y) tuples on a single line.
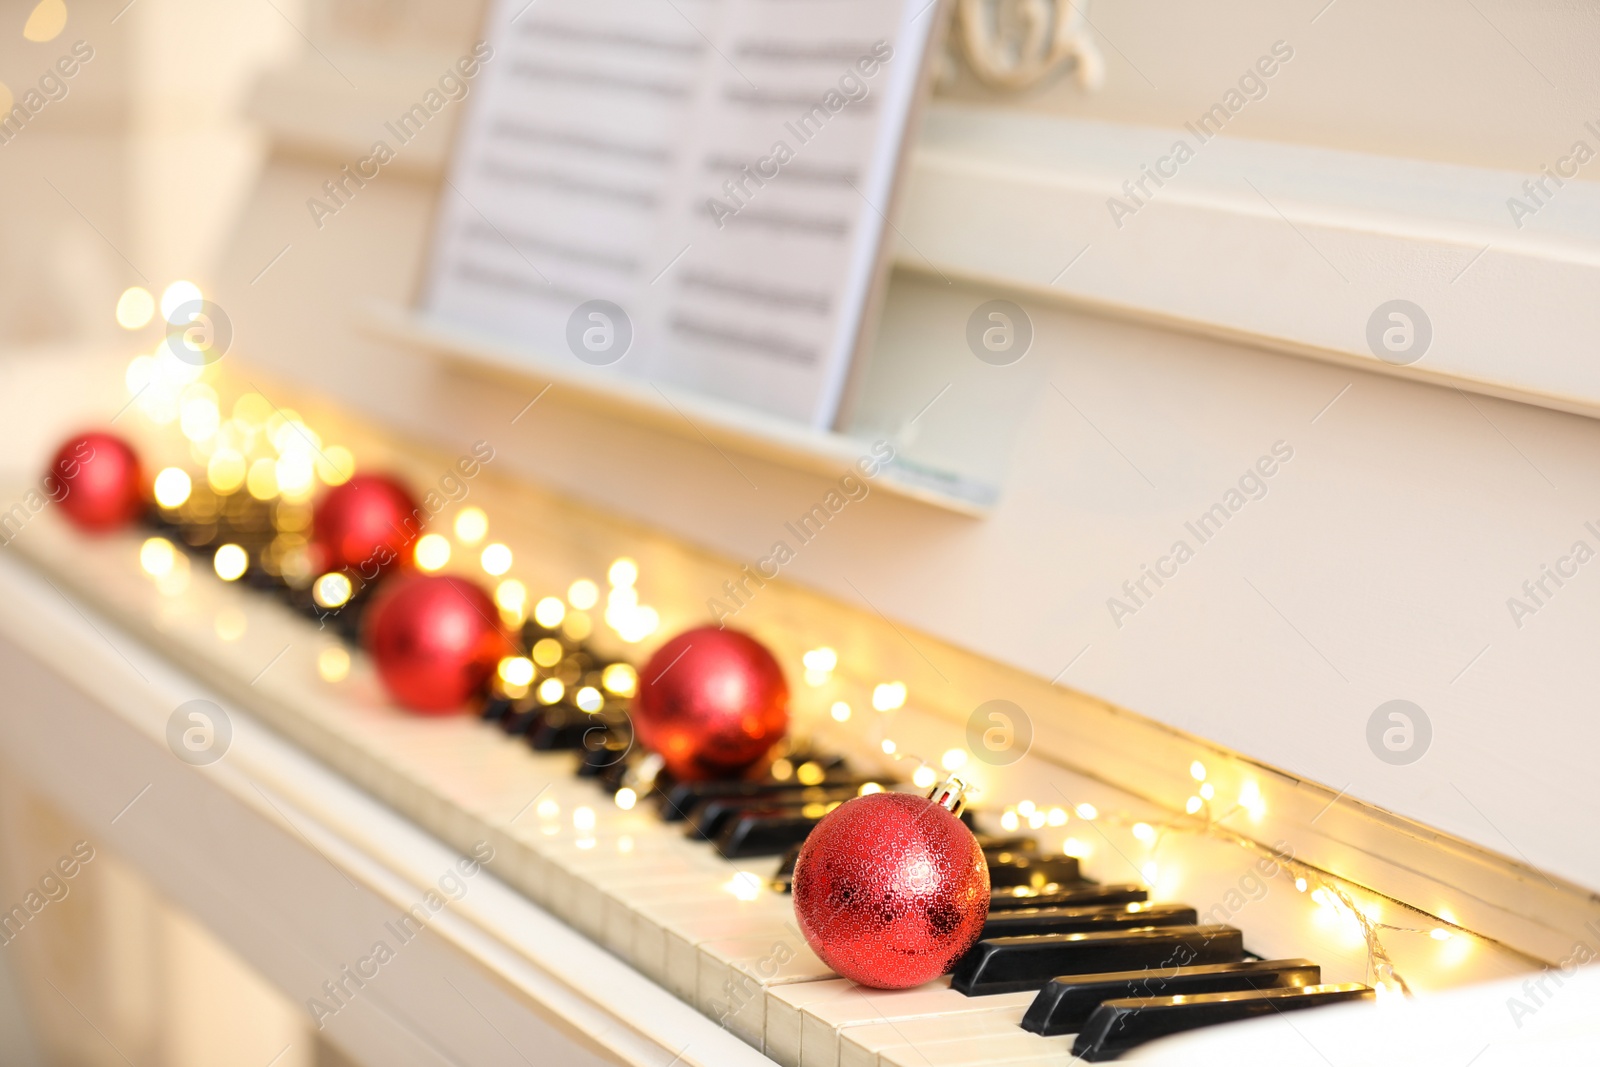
[(993, 1050), (681, 798), (1008, 869), (1023, 922), (1119, 1025), (825, 1022), (771, 832), (735, 974), (864, 1046), (708, 817), (1007, 964), (1007, 843), (1065, 1004), (1078, 896)]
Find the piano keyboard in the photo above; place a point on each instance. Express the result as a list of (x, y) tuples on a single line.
[(687, 881)]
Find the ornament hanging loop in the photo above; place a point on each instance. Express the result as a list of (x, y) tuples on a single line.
[(950, 794)]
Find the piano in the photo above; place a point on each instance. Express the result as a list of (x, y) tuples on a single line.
[(1191, 832)]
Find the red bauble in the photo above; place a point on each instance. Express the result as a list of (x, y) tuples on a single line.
[(366, 525), (711, 702), (891, 889), (100, 476), (435, 640)]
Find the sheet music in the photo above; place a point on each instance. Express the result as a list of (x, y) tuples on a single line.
[(689, 191)]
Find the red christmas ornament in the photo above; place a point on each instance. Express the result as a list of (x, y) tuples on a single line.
[(100, 485), (366, 524), (711, 702), (435, 640), (891, 889)]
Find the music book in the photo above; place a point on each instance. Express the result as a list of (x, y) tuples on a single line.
[(694, 192)]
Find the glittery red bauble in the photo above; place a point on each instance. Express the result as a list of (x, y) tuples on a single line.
[(891, 890), (712, 702), (99, 475), (435, 640), (367, 524)]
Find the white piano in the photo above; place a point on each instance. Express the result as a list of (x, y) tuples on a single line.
[(1349, 717)]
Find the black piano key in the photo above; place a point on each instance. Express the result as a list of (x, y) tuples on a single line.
[(1006, 843), (1013, 964), (767, 833), (1073, 896), (557, 728), (710, 816), (495, 709), (783, 881), (1119, 1025), (681, 798), (1064, 1005), (1026, 922), (1033, 869)]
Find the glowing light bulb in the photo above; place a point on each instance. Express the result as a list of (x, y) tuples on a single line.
[(135, 308), (1026, 808), (924, 777), (225, 471), (1439, 933), (744, 886), (583, 594), (1197, 771), (623, 573), (156, 556), (332, 590), (626, 798), (1076, 848), (954, 760), (1300, 884), (1009, 821), (172, 487), (869, 788), (175, 296), (432, 552), (262, 480), (810, 773), (230, 562), (583, 819), (551, 690), (1057, 817), (840, 711), (822, 659), (471, 525), (1088, 811), (516, 670), (1144, 832), (548, 809), (889, 696), (1193, 804), (888, 747), (621, 679), (547, 652), (496, 559), (296, 476), (335, 465), (549, 612), (333, 663), (1207, 791), (589, 699)]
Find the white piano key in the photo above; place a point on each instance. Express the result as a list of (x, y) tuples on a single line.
[(825, 1023), (735, 974), (783, 1011), (1015, 1048), (864, 1046)]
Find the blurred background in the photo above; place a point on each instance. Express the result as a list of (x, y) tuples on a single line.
[(190, 134)]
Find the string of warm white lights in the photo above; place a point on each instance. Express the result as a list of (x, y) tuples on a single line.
[(1321, 886)]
